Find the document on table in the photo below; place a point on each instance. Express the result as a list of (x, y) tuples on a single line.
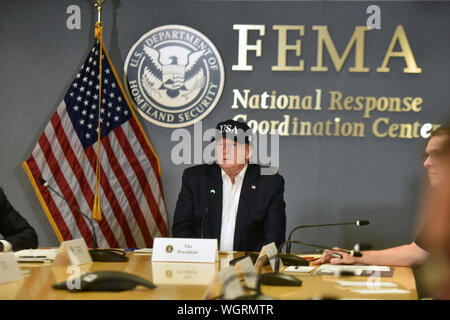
[(144, 251), (36, 255), (299, 269), (379, 284), (327, 269), (381, 291)]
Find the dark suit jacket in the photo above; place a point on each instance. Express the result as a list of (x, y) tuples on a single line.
[(14, 227), (261, 216)]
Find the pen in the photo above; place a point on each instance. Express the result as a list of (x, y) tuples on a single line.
[(334, 255)]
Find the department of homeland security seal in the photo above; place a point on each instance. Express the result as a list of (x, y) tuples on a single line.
[(174, 76)]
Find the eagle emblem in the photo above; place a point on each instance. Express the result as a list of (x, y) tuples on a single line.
[(173, 77)]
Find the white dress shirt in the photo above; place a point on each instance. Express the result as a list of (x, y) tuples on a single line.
[(230, 203)]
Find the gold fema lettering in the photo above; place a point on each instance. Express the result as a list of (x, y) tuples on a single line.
[(324, 43)]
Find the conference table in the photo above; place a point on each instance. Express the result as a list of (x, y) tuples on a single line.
[(189, 281)]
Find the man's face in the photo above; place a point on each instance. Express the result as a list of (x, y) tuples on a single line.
[(231, 154), (436, 168)]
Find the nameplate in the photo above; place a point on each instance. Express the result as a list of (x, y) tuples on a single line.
[(9, 269), (270, 251), (73, 252), (185, 250), (231, 284), (246, 268)]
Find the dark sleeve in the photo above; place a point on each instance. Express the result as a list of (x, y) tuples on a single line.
[(14, 228), (184, 218), (275, 222)]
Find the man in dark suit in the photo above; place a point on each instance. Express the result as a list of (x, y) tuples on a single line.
[(17, 233), (231, 201)]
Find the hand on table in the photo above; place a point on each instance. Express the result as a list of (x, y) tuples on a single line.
[(327, 257)]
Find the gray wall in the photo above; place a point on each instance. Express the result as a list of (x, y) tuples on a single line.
[(328, 179)]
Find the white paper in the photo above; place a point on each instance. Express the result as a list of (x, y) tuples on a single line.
[(376, 268), (36, 255), (144, 251), (299, 269), (356, 269), (366, 284), (381, 291)]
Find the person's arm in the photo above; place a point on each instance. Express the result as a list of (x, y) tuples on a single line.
[(184, 218), (275, 223), (14, 228), (409, 255)]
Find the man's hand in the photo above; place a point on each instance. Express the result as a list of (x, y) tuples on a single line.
[(327, 257)]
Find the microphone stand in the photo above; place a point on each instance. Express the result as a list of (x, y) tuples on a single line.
[(276, 278), (100, 255), (293, 260), (205, 213), (258, 295)]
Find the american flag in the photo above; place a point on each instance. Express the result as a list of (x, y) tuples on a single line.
[(132, 203)]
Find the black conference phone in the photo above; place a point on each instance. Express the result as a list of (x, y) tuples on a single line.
[(104, 281)]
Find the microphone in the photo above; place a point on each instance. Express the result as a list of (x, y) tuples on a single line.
[(354, 252), (361, 247), (94, 236), (102, 255), (212, 192), (276, 278), (293, 260), (356, 223)]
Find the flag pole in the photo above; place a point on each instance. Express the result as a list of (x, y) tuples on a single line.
[(96, 210), (99, 10)]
